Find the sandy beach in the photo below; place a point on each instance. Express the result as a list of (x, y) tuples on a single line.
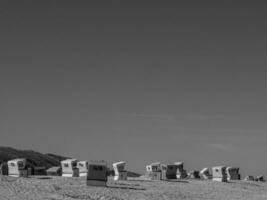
[(57, 188)]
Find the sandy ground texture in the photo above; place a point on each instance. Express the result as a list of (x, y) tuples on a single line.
[(58, 188)]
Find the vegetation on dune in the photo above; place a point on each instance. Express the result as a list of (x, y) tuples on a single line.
[(33, 158), (38, 159)]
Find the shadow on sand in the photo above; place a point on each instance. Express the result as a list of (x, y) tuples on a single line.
[(176, 181), (124, 186), (167, 180), (140, 180), (43, 177)]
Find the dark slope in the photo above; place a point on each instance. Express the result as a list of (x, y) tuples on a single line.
[(38, 159), (33, 158)]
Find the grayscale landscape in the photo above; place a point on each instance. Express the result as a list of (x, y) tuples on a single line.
[(137, 89), (75, 188)]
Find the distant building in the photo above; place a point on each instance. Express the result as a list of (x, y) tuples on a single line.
[(233, 173), (69, 168), (219, 174), (205, 174), (39, 171), (3, 169), (260, 178), (119, 170), (54, 171), (83, 168), (156, 171), (171, 171), (17, 168), (194, 174), (97, 173), (181, 172), (249, 178)]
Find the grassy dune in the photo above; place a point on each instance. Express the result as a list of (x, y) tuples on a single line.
[(58, 188), (33, 158)]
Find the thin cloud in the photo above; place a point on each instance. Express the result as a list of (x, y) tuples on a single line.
[(223, 147), (176, 116), (203, 117)]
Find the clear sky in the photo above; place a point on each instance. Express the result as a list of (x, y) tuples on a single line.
[(139, 82)]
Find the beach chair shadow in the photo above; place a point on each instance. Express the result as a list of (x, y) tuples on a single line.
[(124, 186), (176, 181)]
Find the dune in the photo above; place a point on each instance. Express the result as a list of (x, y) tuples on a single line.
[(33, 158)]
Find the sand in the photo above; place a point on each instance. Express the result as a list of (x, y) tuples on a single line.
[(58, 188)]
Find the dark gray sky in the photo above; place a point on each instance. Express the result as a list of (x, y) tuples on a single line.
[(140, 82)]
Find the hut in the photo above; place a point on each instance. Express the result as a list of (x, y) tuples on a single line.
[(181, 172), (3, 169), (260, 178), (39, 171), (154, 171), (156, 166), (54, 171), (97, 173), (249, 178), (83, 168), (171, 171), (152, 167), (158, 171), (17, 168), (219, 174), (233, 173), (69, 168), (119, 170), (148, 171), (205, 174), (194, 174), (163, 169)]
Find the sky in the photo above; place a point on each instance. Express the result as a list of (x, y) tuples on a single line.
[(136, 81)]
